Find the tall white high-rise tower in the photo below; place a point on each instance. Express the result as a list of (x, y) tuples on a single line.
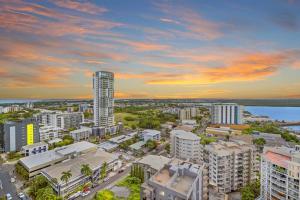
[(103, 85)]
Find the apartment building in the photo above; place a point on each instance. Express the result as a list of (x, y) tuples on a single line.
[(69, 120), (47, 118), (49, 132), (189, 113), (177, 180), (231, 164), (226, 113), (16, 134), (185, 145), (81, 134), (103, 85), (280, 174)]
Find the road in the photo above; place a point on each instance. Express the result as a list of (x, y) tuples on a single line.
[(5, 185), (106, 184)]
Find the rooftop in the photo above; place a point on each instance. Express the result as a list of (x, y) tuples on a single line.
[(35, 145), (107, 146), (151, 132), (56, 154), (138, 145), (154, 161), (185, 135), (82, 129), (223, 148), (95, 159), (122, 138)]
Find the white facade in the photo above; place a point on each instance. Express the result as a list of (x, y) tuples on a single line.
[(81, 134), (185, 145), (151, 135), (103, 84), (70, 120), (232, 165), (34, 149), (49, 132), (227, 114), (280, 174), (47, 118)]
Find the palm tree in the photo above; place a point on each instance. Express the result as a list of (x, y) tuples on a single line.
[(86, 170), (66, 176)]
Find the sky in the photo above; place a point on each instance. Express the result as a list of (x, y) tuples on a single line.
[(156, 49)]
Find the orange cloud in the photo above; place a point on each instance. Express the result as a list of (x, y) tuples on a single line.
[(86, 7)]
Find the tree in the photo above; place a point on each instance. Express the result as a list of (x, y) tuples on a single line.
[(86, 170), (105, 195), (103, 170), (259, 141), (251, 191), (151, 144), (168, 148), (227, 137), (36, 184), (66, 176), (45, 193)]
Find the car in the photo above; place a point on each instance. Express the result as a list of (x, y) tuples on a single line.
[(83, 194), (121, 170), (12, 180), (8, 196), (22, 196), (106, 179)]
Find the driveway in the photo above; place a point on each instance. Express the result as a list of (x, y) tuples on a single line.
[(5, 185)]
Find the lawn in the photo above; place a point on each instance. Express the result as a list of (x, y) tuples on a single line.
[(128, 119), (207, 140)]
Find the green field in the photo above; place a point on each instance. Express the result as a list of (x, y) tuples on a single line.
[(128, 119)]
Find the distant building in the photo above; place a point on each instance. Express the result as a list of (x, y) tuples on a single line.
[(69, 120), (280, 169), (103, 84), (16, 134), (232, 165), (150, 134), (47, 118), (35, 148), (85, 108), (189, 113), (185, 145), (226, 113), (81, 134), (176, 180)]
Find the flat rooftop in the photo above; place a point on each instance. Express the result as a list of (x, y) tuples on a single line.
[(163, 176), (154, 161), (151, 132), (278, 159), (183, 184), (120, 139), (95, 159), (107, 146), (185, 135), (56, 154)]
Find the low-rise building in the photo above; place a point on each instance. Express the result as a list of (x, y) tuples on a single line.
[(35, 163), (81, 134), (150, 134), (185, 145), (35, 148), (280, 169), (108, 146), (123, 138), (95, 159), (151, 164), (177, 180)]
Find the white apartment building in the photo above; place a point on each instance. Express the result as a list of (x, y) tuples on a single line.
[(185, 145), (70, 120), (188, 113), (280, 174), (47, 118), (81, 134), (49, 132), (103, 84), (150, 134), (231, 164), (226, 113)]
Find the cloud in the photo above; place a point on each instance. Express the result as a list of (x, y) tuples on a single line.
[(196, 26), (169, 21), (85, 7), (287, 20)]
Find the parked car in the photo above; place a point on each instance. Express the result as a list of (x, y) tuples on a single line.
[(22, 196), (12, 180), (83, 194), (106, 179), (8, 196)]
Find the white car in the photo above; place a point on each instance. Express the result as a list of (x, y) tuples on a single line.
[(21, 196), (8, 196), (85, 193), (106, 179), (12, 180)]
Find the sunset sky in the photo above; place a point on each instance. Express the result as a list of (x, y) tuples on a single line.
[(157, 49)]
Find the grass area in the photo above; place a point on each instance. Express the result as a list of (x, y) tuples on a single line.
[(12, 156), (16, 116), (134, 185), (207, 140), (127, 119)]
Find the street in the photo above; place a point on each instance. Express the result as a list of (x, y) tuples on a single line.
[(112, 180), (5, 185)]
